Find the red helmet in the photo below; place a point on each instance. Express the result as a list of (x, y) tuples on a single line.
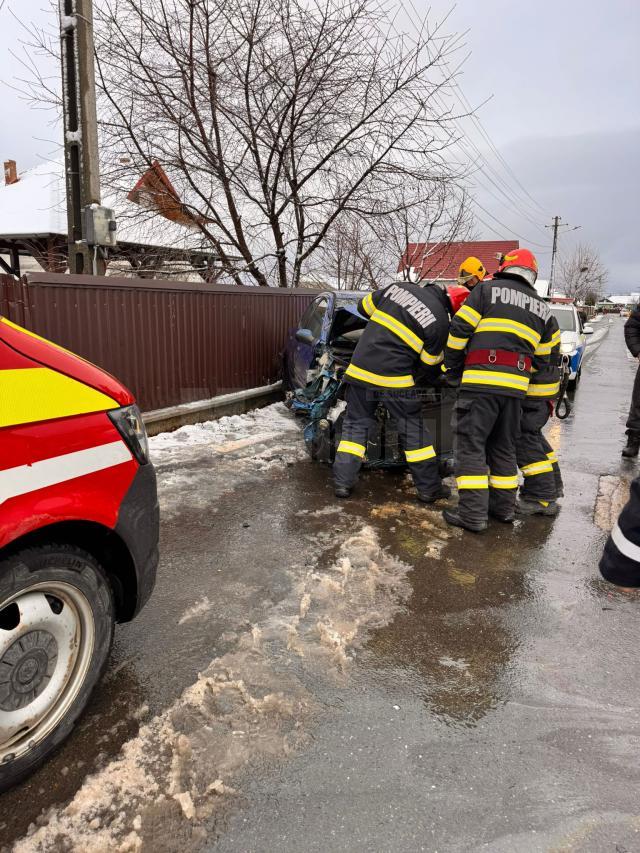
[(456, 293), (520, 263)]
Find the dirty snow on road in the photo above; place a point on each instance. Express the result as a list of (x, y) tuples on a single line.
[(197, 464), (249, 704), (257, 701)]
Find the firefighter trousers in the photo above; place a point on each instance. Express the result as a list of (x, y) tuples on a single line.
[(633, 421), (487, 427), (552, 456), (533, 453), (406, 408), (620, 562)]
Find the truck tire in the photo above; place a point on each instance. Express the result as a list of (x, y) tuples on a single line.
[(56, 629)]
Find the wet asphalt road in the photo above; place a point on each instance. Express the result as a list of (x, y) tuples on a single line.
[(497, 709)]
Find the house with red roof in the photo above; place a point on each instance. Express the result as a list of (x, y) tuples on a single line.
[(441, 261)]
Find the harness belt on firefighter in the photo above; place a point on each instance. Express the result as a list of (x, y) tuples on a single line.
[(499, 357)]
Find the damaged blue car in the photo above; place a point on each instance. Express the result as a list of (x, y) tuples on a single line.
[(317, 353)]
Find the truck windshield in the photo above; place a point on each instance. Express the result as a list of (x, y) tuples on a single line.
[(566, 319)]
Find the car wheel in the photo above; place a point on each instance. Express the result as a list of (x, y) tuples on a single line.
[(573, 383), (56, 630)]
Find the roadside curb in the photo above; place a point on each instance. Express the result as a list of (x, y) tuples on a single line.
[(237, 403)]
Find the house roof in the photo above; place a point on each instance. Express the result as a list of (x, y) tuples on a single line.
[(621, 299), (442, 261), (36, 206)]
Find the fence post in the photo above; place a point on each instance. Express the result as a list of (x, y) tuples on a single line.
[(4, 296), (14, 300)]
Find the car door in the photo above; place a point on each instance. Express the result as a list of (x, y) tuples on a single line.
[(581, 340), (304, 353)]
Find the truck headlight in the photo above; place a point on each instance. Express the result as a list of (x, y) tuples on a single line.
[(128, 421), (567, 349)]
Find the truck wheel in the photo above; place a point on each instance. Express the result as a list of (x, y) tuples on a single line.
[(56, 630)]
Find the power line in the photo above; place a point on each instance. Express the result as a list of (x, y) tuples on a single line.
[(512, 200), (509, 194), (462, 98), (465, 102), (506, 189), (502, 224)]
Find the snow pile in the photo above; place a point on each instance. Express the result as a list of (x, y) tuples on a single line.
[(198, 463), (273, 420), (247, 706)]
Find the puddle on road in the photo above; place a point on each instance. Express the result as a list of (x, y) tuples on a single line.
[(250, 705), (454, 644)]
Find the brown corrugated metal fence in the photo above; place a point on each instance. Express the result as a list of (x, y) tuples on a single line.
[(169, 342)]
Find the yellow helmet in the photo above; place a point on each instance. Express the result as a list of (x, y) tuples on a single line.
[(471, 268)]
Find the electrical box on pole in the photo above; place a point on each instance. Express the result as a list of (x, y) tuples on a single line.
[(86, 218), (99, 226)]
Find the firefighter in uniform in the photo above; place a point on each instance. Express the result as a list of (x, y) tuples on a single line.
[(536, 458), (620, 563), (632, 340), (406, 333), (471, 272), (493, 340)]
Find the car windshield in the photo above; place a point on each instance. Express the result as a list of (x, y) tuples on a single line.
[(566, 319)]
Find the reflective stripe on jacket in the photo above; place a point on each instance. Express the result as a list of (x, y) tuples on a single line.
[(545, 373), (507, 315), (407, 331)]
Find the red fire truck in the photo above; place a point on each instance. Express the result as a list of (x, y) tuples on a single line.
[(78, 537)]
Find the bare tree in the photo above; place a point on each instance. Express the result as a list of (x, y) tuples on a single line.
[(438, 220), (583, 275), (274, 118), (279, 122), (351, 257), (361, 254)]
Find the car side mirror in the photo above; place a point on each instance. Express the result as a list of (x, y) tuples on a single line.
[(587, 329), (305, 336)]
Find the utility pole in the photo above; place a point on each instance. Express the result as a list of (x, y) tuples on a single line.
[(80, 134), (557, 224)]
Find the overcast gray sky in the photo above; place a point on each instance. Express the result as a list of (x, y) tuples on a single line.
[(563, 78)]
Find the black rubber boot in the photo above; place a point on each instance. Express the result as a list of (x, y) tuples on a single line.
[(505, 519), (341, 491), (451, 517), (631, 450), (442, 494), (527, 507)]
